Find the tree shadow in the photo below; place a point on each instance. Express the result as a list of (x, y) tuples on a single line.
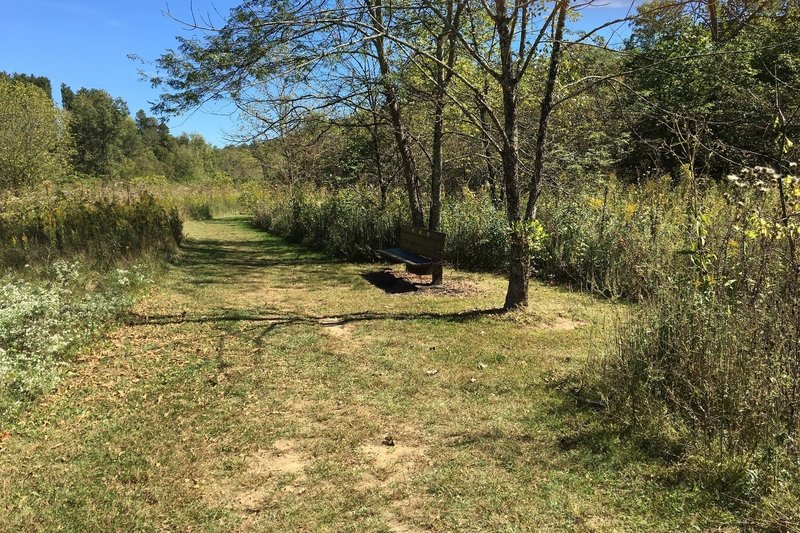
[(275, 318), (209, 261), (386, 281)]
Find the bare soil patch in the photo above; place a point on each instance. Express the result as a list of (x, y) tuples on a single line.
[(562, 323), (259, 483), (394, 281), (387, 464), (336, 328)]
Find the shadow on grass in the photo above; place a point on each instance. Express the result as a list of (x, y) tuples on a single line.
[(208, 261), (389, 283), (284, 318)]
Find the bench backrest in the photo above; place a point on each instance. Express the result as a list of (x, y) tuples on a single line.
[(423, 242)]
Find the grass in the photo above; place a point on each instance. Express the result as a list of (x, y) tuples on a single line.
[(253, 388)]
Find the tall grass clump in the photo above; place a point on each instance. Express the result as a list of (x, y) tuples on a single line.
[(204, 201), (708, 370), (198, 200), (476, 232), (99, 224), (617, 239), (353, 225), (347, 224), (614, 239)]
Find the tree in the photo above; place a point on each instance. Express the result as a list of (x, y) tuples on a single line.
[(67, 96), (191, 159), (270, 56), (42, 82), (155, 134), (97, 123), (33, 140), (280, 60), (511, 24), (703, 79)]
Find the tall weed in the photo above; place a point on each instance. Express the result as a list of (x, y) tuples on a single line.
[(709, 367), (100, 224)]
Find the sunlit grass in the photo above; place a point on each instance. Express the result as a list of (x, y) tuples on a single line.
[(253, 388)]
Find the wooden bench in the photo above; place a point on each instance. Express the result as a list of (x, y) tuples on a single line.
[(421, 250)]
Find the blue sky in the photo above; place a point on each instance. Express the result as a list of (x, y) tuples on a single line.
[(86, 43)]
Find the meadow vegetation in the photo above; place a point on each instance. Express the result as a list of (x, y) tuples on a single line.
[(641, 198)]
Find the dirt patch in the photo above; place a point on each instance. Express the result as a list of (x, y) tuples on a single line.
[(260, 482), (335, 327), (391, 463), (396, 525), (281, 459), (394, 281), (562, 323), (402, 515)]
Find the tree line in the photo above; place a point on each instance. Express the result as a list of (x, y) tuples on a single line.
[(92, 134)]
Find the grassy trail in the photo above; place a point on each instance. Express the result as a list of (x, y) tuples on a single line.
[(254, 387)]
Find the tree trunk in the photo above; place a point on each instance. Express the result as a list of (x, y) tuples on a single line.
[(495, 189), (519, 259), (713, 19), (545, 112), (383, 183), (519, 271), (436, 162), (401, 137), (443, 77)]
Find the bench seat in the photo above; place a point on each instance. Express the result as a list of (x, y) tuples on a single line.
[(409, 258)]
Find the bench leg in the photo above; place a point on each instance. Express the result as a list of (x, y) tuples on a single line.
[(437, 275)]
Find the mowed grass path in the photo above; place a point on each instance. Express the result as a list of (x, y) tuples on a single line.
[(253, 387)]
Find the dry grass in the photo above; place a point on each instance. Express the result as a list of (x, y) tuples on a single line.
[(255, 387)]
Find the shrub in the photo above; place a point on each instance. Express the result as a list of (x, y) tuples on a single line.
[(42, 322), (347, 224), (619, 240), (351, 224), (99, 224), (712, 362), (33, 139)]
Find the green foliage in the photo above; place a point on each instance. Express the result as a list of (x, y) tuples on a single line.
[(347, 224), (476, 233), (191, 159), (711, 362), (33, 144), (96, 125), (43, 321), (351, 225), (710, 101), (615, 239), (42, 82), (103, 226)]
